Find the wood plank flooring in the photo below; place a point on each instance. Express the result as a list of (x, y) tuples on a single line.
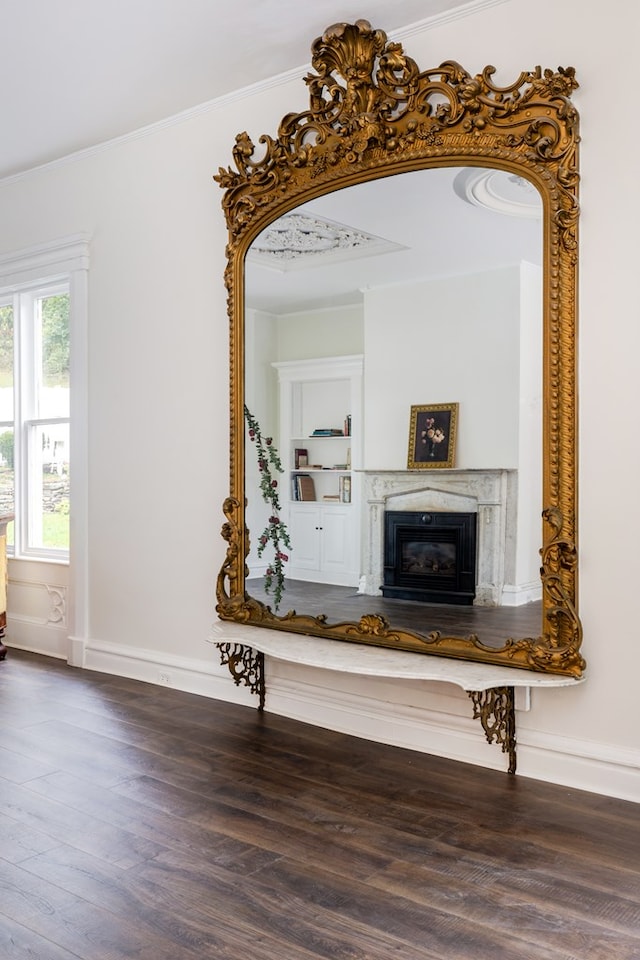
[(494, 625), (138, 821)]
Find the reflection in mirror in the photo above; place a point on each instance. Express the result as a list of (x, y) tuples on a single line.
[(433, 279), (414, 304)]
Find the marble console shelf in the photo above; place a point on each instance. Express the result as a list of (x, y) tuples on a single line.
[(491, 688)]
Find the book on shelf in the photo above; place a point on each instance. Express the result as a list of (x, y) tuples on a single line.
[(303, 487), (328, 432), (335, 497), (347, 425)]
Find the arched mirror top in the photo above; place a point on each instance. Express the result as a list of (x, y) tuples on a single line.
[(373, 113)]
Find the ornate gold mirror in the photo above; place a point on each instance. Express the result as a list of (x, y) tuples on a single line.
[(380, 133)]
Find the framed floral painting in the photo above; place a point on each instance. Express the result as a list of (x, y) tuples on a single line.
[(432, 436)]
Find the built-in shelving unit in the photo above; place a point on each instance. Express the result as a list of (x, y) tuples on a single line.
[(320, 442)]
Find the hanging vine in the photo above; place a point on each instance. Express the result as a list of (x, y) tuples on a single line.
[(276, 531)]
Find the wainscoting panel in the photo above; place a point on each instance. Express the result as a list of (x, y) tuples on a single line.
[(37, 614)]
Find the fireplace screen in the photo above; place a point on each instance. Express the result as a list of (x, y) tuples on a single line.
[(430, 557)]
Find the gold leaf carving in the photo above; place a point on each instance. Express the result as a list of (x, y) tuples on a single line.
[(372, 113)]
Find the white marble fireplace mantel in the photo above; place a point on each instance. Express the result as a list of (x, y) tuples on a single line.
[(491, 493)]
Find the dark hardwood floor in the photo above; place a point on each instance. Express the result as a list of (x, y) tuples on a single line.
[(494, 625), (138, 821)]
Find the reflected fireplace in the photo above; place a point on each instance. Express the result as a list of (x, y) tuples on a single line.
[(430, 556)]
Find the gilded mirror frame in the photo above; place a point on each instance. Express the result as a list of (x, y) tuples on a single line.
[(373, 113)]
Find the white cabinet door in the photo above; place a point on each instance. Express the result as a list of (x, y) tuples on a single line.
[(304, 531), (322, 544), (335, 541)]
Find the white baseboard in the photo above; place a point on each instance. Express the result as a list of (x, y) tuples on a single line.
[(76, 648), (36, 637), (581, 765), (206, 678), (516, 595), (444, 735), (577, 764)]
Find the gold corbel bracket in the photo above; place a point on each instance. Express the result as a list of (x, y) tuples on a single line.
[(495, 709), (245, 666)]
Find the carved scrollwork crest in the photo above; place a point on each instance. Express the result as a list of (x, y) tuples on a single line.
[(371, 105)]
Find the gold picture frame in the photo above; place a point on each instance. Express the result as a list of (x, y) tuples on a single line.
[(432, 436)]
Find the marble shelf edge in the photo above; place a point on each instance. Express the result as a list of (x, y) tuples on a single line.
[(381, 662)]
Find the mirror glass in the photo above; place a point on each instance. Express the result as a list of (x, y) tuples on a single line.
[(433, 278), (402, 280)]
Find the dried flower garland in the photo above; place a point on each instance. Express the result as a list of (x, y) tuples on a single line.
[(276, 531)]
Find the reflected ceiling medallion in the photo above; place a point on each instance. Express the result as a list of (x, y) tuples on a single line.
[(297, 241), (500, 191)]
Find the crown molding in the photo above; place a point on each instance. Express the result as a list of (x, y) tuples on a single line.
[(460, 12)]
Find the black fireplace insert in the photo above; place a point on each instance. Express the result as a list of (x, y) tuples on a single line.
[(430, 556)]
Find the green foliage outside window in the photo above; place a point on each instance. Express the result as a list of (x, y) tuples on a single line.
[(6, 448), (55, 340), (6, 346)]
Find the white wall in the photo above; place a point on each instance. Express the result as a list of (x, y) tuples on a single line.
[(330, 332), (455, 339), (158, 368)]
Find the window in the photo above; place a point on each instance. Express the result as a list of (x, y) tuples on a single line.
[(35, 418)]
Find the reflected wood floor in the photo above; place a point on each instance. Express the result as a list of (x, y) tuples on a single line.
[(139, 821), (494, 625)]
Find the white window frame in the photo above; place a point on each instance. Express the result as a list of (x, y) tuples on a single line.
[(66, 260), (25, 423)]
